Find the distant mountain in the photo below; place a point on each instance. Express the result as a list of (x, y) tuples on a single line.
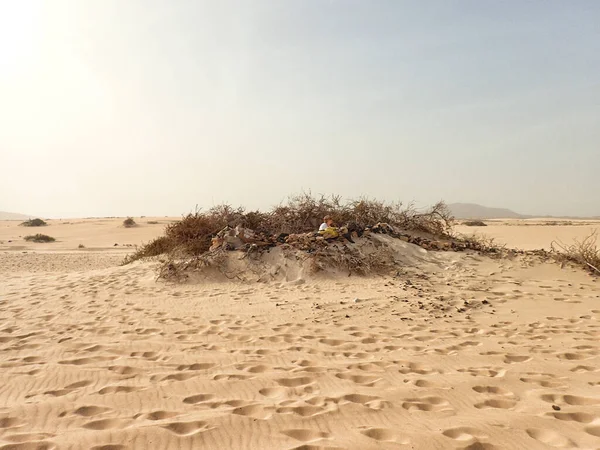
[(473, 211), (13, 216)]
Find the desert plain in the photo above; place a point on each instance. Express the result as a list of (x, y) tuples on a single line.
[(455, 351)]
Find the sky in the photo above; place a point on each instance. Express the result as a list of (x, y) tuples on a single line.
[(151, 107)]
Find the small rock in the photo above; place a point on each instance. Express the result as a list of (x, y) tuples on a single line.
[(556, 407)]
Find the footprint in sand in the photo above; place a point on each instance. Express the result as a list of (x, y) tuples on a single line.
[(91, 411), (302, 411), (428, 404), (186, 428), (512, 359), (295, 382), (464, 434), (572, 400), (160, 415), (491, 372), (497, 403), (196, 366), (385, 435), (198, 398), (479, 446), (253, 411), (306, 435), (365, 380), (594, 431), (550, 437), (117, 390), (495, 390), (580, 417), (273, 392), (106, 424)]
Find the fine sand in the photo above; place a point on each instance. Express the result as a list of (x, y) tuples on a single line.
[(458, 351)]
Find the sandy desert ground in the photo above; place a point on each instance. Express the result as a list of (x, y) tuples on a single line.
[(458, 351)]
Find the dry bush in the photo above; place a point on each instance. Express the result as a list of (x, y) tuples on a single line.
[(152, 222), (129, 223), (481, 243), (158, 246), (34, 223), (475, 223), (584, 253), (303, 213), (39, 238), (300, 214), (81, 246), (351, 260)]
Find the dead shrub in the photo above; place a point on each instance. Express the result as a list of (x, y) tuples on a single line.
[(39, 238), (129, 223), (187, 242), (158, 246), (584, 253), (475, 223), (34, 223)]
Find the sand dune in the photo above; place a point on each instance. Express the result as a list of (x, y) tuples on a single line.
[(457, 352)]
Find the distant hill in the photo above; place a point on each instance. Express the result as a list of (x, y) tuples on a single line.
[(473, 211), (13, 216)]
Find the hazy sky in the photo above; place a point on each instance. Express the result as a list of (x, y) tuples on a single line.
[(131, 107)]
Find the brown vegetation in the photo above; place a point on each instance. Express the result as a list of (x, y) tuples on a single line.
[(129, 223), (584, 253), (38, 238), (191, 237), (475, 223), (34, 223)]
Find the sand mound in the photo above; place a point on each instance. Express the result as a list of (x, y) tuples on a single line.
[(373, 254)]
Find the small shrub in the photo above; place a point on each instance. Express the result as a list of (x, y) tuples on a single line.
[(152, 222), (81, 246), (39, 238), (475, 223), (129, 223), (34, 223), (585, 252), (482, 244), (158, 246)]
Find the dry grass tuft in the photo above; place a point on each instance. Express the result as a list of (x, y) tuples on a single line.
[(38, 238)]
